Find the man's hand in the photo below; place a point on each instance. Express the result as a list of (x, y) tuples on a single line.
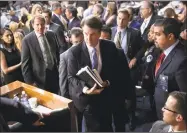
[(40, 115), (92, 91), (132, 63)]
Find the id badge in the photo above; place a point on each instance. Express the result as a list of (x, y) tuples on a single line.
[(163, 82)]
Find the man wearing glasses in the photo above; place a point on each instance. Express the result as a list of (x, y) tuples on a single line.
[(174, 114)]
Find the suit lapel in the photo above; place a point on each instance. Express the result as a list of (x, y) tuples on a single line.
[(86, 56), (166, 62), (128, 36), (114, 33)]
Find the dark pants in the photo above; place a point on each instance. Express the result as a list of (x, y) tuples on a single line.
[(96, 119)]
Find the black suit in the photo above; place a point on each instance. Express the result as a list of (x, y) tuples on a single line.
[(96, 108), (33, 65), (151, 22), (56, 20), (75, 23), (63, 46), (171, 76), (14, 111)]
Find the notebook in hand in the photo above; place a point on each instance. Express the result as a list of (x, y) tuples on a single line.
[(89, 76)]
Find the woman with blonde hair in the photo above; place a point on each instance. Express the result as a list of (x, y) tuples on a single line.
[(111, 14), (13, 26), (18, 36)]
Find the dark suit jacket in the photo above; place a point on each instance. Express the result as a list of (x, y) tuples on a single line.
[(174, 67), (75, 23), (63, 46), (14, 111), (151, 22), (33, 64), (79, 58), (63, 75), (134, 41), (56, 20), (160, 127)]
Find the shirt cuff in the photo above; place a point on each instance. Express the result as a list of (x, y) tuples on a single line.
[(85, 89)]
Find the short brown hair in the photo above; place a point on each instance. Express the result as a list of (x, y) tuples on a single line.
[(124, 11), (92, 22), (37, 17)]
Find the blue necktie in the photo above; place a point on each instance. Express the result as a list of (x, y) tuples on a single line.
[(94, 59)]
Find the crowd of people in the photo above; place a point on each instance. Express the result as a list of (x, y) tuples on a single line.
[(142, 44)]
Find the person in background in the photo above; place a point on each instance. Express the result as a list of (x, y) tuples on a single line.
[(170, 13), (174, 114), (106, 33), (40, 57), (10, 57), (18, 37)]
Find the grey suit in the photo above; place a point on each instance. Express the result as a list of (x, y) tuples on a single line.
[(63, 75), (60, 36), (33, 65), (160, 127)]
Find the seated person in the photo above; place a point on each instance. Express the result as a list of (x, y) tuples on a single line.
[(15, 111), (174, 114)]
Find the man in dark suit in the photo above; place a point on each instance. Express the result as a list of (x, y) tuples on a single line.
[(94, 102), (174, 114), (40, 57), (71, 15), (130, 40), (119, 112), (15, 111), (148, 16), (170, 69), (47, 14), (57, 15)]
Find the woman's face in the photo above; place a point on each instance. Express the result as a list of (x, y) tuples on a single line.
[(38, 11), (7, 37)]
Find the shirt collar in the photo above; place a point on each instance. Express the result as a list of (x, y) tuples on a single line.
[(56, 15), (121, 30), (148, 19), (37, 34), (91, 48), (171, 130), (168, 50), (71, 19)]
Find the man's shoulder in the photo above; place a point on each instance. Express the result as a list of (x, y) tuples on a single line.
[(159, 126), (29, 36)]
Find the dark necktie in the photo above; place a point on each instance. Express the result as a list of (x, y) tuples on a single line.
[(159, 62), (94, 59)]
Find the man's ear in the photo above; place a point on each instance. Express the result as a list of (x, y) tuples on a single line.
[(171, 36), (179, 118)]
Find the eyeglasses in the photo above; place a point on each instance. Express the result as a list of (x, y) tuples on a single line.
[(165, 108)]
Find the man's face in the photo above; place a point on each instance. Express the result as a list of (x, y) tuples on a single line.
[(68, 14), (169, 111), (91, 36), (151, 34), (76, 39), (39, 25), (144, 10), (161, 40), (47, 18), (105, 35), (122, 20)]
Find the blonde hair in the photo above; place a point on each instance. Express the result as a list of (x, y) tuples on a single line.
[(18, 39), (13, 26), (35, 6)]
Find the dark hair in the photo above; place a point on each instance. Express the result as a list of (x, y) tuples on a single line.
[(77, 31), (170, 25), (2, 31), (55, 6), (181, 105), (92, 22), (45, 10), (24, 19), (107, 29), (72, 10), (124, 11), (169, 12)]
